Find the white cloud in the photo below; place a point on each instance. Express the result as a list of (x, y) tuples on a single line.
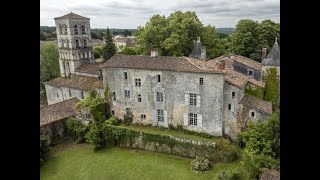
[(133, 13)]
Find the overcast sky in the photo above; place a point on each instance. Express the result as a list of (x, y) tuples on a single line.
[(129, 14)]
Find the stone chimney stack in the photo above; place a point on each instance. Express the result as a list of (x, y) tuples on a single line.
[(221, 65), (264, 54), (203, 53), (154, 52)]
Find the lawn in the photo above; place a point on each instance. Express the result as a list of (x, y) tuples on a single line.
[(169, 132), (78, 161)]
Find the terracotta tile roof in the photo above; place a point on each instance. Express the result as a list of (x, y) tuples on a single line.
[(58, 111), (213, 62), (246, 61), (236, 78), (71, 16), (166, 63), (89, 68), (256, 103), (76, 82)]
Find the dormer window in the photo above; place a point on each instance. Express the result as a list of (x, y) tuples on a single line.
[(250, 73)]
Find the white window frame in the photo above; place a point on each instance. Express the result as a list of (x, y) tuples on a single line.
[(193, 119), (159, 96), (201, 81), (127, 93), (125, 75), (192, 99), (137, 82), (139, 97), (160, 115)]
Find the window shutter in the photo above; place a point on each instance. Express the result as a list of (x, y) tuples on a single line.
[(199, 119), (165, 117), (186, 98), (154, 117), (185, 119), (198, 100)]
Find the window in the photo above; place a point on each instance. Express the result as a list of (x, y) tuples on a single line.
[(114, 96), (61, 31), (87, 116), (160, 96), (139, 97), (67, 43), (75, 29), (233, 94), (142, 116), (252, 114), (70, 93), (138, 82), (65, 29), (82, 96), (112, 112), (193, 100), (83, 29), (250, 73), (77, 44), (57, 94), (192, 119), (127, 93), (201, 81), (229, 106), (125, 74), (158, 78), (160, 115), (85, 43), (128, 111)]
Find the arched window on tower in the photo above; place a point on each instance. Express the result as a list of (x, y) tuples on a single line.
[(76, 29), (62, 43), (85, 43), (77, 43), (83, 29), (65, 29)]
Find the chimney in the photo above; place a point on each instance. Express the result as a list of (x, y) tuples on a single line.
[(203, 53), (154, 52), (264, 53), (221, 65)]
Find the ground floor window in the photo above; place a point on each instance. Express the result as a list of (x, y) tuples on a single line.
[(142, 116), (160, 115), (128, 111), (192, 119)]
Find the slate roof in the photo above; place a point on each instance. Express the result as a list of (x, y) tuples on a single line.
[(89, 68), (246, 61), (166, 63), (76, 82), (58, 111), (196, 52), (255, 103), (273, 58), (71, 16)]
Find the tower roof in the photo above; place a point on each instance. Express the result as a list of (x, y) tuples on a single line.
[(273, 58), (196, 52), (71, 16)]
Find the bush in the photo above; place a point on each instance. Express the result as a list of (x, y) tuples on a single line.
[(127, 120), (44, 148), (200, 164), (171, 126), (76, 129), (113, 121), (95, 136), (230, 174)]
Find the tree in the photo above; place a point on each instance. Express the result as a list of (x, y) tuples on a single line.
[(49, 65), (94, 35), (272, 88), (126, 33), (245, 38), (129, 51), (108, 101), (42, 36), (267, 31), (109, 49)]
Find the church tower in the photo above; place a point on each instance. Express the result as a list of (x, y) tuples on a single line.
[(74, 42)]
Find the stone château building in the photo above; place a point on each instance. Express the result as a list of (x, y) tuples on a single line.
[(200, 95)]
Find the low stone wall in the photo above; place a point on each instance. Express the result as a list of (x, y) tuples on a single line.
[(53, 129)]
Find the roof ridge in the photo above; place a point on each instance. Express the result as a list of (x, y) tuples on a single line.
[(250, 59)]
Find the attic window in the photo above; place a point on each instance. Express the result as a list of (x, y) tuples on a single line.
[(125, 74), (201, 81), (158, 78), (233, 94), (250, 73)]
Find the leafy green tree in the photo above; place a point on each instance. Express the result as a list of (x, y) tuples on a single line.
[(264, 138), (42, 36), (109, 49), (129, 51), (244, 39), (272, 88), (267, 32), (49, 65), (94, 35), (108, 101)]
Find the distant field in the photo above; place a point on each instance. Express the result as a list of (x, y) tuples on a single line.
[(225, 30), (78, 161)]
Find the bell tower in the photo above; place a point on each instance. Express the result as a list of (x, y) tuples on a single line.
[(74, 42)]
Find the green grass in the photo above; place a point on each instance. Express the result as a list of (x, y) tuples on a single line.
[(78, 161), (169, 132)]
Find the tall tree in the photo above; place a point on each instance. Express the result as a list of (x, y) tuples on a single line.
[(49, 64), (109, 48), (272, 88), (267, 31)]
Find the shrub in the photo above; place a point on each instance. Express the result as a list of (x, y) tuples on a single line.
[(95, 136), (76, 129), (44, 148), (171, 126), (127, 120), (230, 174), (200, 164), (113, 121)]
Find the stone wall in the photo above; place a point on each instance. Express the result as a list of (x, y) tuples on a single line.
[(243, 69), (53, 129)]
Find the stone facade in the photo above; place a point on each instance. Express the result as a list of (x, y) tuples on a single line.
[(245, 70), (176, 88)]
